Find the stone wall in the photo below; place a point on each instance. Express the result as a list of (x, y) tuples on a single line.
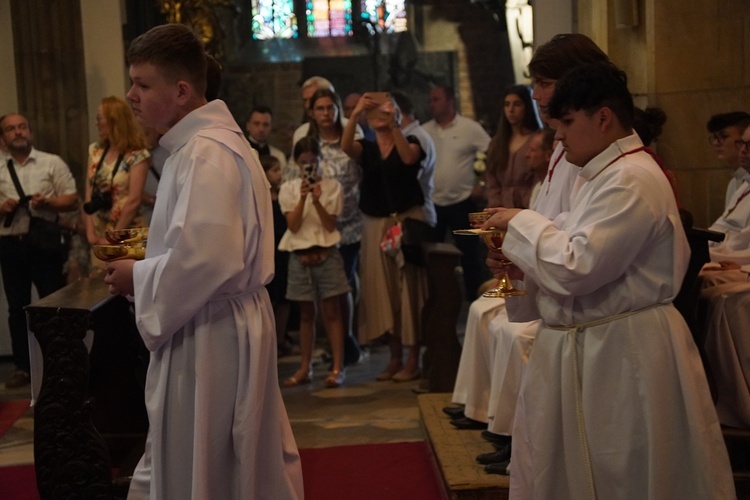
[(690, 59)]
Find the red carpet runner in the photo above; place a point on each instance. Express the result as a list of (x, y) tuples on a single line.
[(10, 411), (397, 471)]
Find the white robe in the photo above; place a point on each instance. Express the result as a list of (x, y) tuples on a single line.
[(727, 346), (736, 217), (478, 367), (620, 408), (218, 427)]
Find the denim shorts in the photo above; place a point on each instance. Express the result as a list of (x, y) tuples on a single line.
[(321, 281)]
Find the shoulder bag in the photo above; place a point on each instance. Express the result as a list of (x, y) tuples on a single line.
[(43, 234)]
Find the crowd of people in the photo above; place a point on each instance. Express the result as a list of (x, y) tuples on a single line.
[(593, 234)]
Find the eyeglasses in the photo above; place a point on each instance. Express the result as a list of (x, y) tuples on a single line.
[(719, 137), (741, 144)]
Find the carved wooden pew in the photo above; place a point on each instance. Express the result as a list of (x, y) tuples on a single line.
[(89, 413)]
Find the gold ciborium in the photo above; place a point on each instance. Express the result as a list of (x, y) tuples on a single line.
[(476, 219), (127, 236), (110, 253), (127, 243)]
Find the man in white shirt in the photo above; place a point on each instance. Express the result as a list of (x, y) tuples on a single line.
[(258, 127), (457, 141), (48, 189)]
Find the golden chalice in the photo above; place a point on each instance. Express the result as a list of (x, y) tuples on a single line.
[(493, 238)]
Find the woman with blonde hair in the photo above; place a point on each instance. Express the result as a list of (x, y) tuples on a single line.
[(117, 169)]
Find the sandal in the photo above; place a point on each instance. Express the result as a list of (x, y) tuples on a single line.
[(406, 376), (335, 379), (389, 372), (297, 379)]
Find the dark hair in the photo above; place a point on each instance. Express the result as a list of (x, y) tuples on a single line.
[(319, 94), (176, 52), (263, 110), (403, 102), (562, 53), (498, 152), (648, 123), (307, 144), (739, 119), (268, 162), (213, 77), (591, 87)]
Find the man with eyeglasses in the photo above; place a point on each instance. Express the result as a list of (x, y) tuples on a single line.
[(732, 256), (723, 130), (736, 215)]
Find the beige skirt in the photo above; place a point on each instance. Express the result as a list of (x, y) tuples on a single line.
[(393, 292)]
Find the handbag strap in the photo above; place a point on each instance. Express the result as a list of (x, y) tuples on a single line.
[(19, 188), (21, 195), (14, 177)]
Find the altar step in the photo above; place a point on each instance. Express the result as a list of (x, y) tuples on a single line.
[(455, 454)]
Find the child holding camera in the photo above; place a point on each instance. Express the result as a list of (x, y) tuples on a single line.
[(316, 269)]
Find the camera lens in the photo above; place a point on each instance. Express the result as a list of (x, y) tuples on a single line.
[(99, 201)]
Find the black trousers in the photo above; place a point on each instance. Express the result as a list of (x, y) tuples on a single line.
[(21, 265), (472, 249)]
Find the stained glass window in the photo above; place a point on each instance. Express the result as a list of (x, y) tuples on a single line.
[(385, 16), (325, 18), (329, 18), (274, 19)]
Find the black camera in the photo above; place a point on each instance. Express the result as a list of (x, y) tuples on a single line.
[(99, 201), (22, 202)]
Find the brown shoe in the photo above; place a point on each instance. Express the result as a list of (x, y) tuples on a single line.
[(18, 378)]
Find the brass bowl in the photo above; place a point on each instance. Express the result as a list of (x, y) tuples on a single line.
[(110, 253), (128, 235)]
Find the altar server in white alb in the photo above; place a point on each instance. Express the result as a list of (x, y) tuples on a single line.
[(218, 427), (614, 403)]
